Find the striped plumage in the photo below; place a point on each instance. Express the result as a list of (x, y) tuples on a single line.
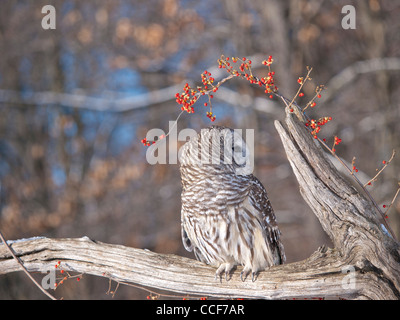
[(226, 217)]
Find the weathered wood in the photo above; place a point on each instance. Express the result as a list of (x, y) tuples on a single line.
[(362, 246), (322, 275), (350, 219)]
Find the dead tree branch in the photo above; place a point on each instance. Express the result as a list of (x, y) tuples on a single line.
[(321, 274)]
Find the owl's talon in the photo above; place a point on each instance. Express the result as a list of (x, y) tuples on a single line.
[(218, 276), (225, 268), (254, 276), (243, 275)]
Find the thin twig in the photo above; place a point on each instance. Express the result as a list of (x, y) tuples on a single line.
[(362, 187), (317, 94), (301, 86), (394, 198), (24, 269), (383, 168)]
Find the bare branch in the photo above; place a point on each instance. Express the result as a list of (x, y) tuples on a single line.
[(84, 101), (23, 267), (348, 75), (322, 274), (386, 163)]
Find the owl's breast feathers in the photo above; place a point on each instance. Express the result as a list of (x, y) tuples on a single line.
[(216, 194)]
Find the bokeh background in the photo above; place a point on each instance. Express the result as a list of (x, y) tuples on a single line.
[(76, 101)]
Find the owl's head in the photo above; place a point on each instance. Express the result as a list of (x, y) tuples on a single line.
[(220, 148)]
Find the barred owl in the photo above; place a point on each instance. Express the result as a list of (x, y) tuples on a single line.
[(226, 217)]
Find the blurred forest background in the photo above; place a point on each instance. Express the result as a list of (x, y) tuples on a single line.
[(76, 101)]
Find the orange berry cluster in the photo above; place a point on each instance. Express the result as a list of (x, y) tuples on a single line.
[(300, 80), (190, 96), (207, 81), (187, 98), (210, 116), (337, 140), (147, 143), (57, 266), (316, 125), (245, 72), (312, 102)]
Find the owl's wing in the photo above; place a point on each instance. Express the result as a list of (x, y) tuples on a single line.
[(185, 239), (187, 243), (259, 199)]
